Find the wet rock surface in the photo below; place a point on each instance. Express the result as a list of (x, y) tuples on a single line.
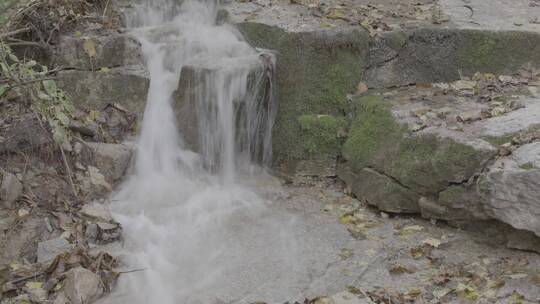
[(362, 255)]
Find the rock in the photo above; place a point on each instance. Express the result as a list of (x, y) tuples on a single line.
[(425, 162), (91, 232), (315, 72), (127, 86), (380, 190), (112, 160), (511, 188), (25, 133), (97, 211), (470, 116), (509, 124), (87, 129), (522, 240), (48, 250), (10, 190), (94, 52), (98, 182), (321, 144), (61, 298), (436, 54), (82, 286)]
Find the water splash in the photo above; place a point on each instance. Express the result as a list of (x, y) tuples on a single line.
[(188, 220)]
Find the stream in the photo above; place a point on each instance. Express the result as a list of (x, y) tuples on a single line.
[(194, 223)]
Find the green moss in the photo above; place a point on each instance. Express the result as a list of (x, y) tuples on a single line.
[(496, 51), (497, 141), (315, 72), (483, 49), (425, 163), (429, 163), (452, 195), (374, 132), (320, 134), (527, 166)]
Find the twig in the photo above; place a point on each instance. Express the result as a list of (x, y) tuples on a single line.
[(130, 271), (27, 43), (106, 7), (15, 32), (27, 278), (69, 173)]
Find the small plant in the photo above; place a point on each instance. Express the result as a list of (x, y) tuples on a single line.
[(33, 82)]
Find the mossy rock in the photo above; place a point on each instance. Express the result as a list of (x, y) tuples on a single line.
[(315, 72), (322, 138), (424, 162), (380, 190), (435, 54)]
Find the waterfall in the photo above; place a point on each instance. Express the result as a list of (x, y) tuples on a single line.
[(189, 220)]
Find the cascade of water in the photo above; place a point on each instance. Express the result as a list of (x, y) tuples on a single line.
[(187, 220)]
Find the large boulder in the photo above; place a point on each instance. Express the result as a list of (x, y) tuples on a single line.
[(434, 54), (315, 72), (127, 86), (391, 160), (92, 53), (511, 189), (112, 160)]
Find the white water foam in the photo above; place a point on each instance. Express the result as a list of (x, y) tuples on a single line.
[(200, 234)]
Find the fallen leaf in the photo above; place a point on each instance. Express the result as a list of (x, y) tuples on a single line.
[(417, 253), (424, 85), (414, 292), (33, 285), (22, 212), (90, 47), (409, 230), (346, 219), (516, 276), (400, 269), (433, 242), (345, 253), (361, 88), (440, 293), (466, 292)]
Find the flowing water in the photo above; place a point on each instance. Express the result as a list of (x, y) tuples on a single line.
[(201, 218), (190, 221)]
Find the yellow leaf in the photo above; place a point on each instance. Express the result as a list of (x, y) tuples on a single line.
[(93, 115), (90, 47), (57, 287), (406, 231), (414, 292), (33, 285), (14, 266), (466, 292), (346, 219), (417, 253)]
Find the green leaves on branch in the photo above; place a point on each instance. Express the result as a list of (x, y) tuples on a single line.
[(31, 81)]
